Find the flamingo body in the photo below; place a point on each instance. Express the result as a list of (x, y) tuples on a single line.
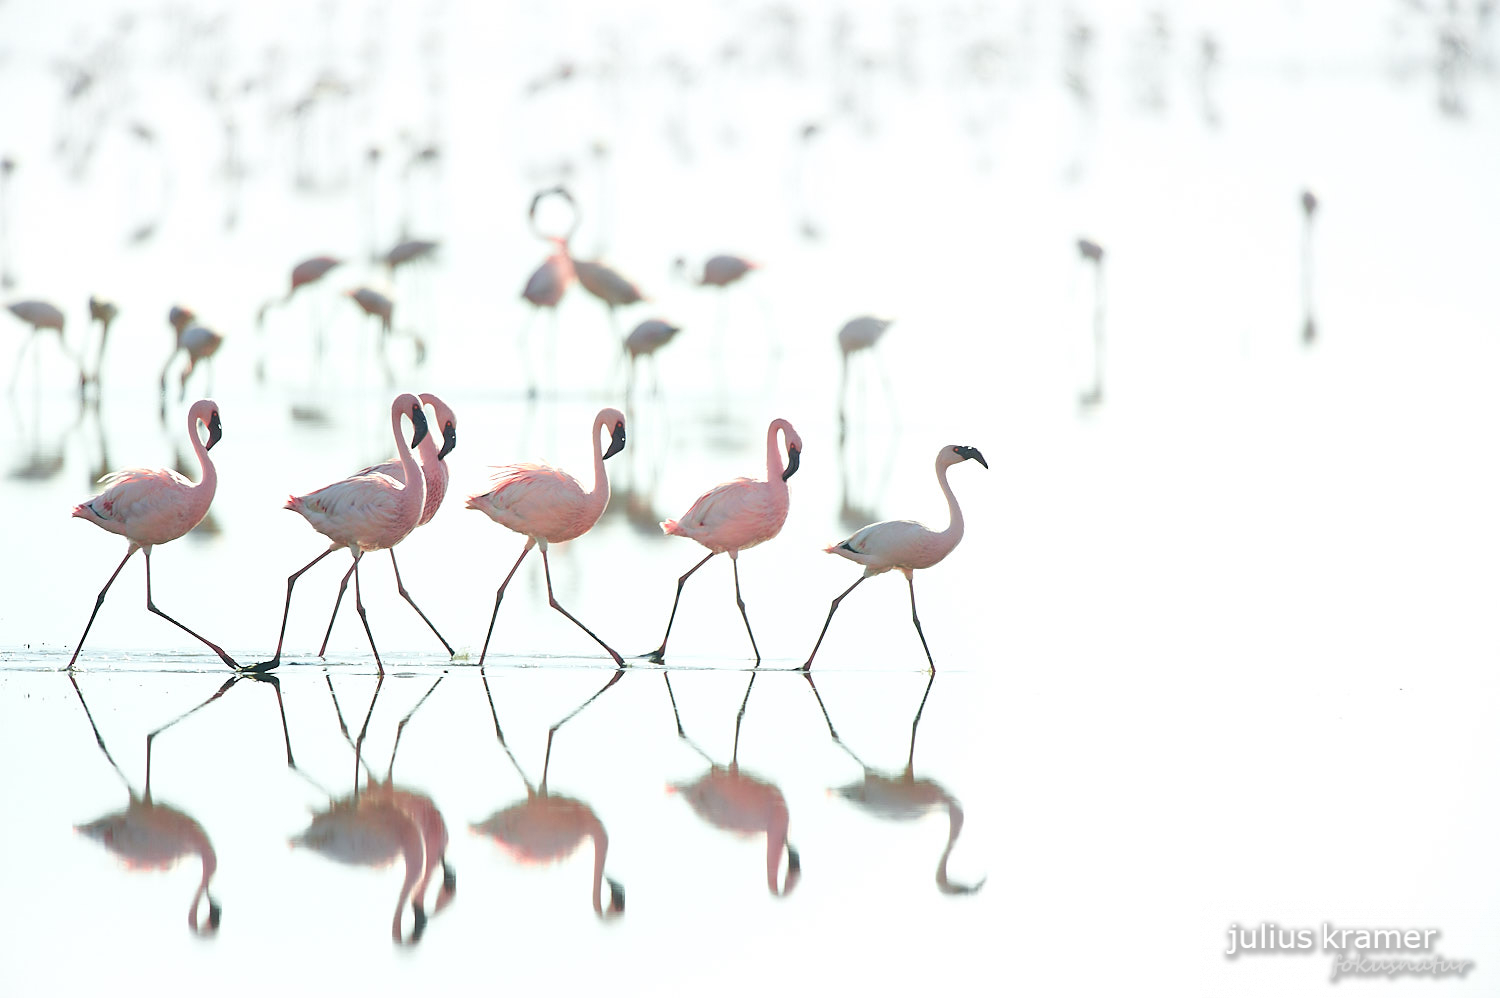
[(723, 270), (38, 315), (312, 270), (650, 336), (434, 467), (546, 286), (408, 251), (606, 284), (862, 333), (542, 829), (374, 303), (742, 513)]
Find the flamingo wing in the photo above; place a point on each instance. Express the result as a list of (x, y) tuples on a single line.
[(525, 497), (888, 544)]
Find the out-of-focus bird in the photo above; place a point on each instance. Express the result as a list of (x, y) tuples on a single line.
[(1092, 253), (858, 335), (549, 506), (310, 271), (39, 315), (606, 284), (643, 341), (435, 486), (200, 343), (103, 312), (720, 271), (407, 251), (904, 545), (737, 515), (364, 513), (150, 506)]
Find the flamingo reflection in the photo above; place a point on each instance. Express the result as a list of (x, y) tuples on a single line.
[(375, 826), (900, 796), (727, 797), (148, 835), (547, 827)]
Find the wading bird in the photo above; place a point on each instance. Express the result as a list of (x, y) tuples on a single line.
[(149, 506), (607, 285), (364, 513), (644, 340), (39, 315), (200, 344), (737, 515), (103, 312), (720, 271), (435, 485), (905, 545), (1093, 254), (549, 507), (858, 335)]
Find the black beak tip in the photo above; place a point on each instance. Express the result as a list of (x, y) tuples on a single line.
[(215, 430), (616, 441), (450, 440), (616, 897), (794, 461), (419, 420)]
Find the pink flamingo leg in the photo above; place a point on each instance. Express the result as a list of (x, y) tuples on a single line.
[(740, 602), (152, 607), (290, 582), (499, 595), (343, 584), (100, 602), (359, 605), (552, 600), (931, 667), (661, 652), (400, 588), (807, 666)]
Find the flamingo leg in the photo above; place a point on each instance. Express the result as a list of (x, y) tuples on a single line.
[(98, 737), (499, 595), (740, 718), (151, 737), (359, 605), (547, 759), (807, 666), (100, 602), (401, 726), (343, 584), (407, 596), (660, 654), (290, 582), (223, 655), (740, 602), (931, 668), (912, 751), (552, 601)]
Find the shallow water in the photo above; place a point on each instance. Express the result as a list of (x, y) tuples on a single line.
[(1214, 651)]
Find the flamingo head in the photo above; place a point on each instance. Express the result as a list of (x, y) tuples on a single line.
[(215, 911), (446, 420), (412, 405), (958, 453), (616, 899), (793, 450), (793, 870), (215, 429), (615, 420)]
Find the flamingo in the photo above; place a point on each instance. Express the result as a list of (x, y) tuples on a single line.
[(547, 284), (1092, 253), (549, 507), (729, 798), (736, 515), (150, 506), (722, 270), (858, 334), (103, 312), (405, 252), (644, 340), (364, 513), (435, 487), (606, 284), (375, 826), (200, 343), (903, 797), (310, 271), (379, 305), (903, 544), (38, 315), (546, 827)]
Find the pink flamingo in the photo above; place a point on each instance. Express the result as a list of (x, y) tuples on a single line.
[(547, 828), (310, 271), (644, 340), (547, 284), (364, 513), (903, 544), (103, 312), (722, 270), (607, 285), (435, 487), (737, 515), (39, 315), (150, 506), (549, 507)]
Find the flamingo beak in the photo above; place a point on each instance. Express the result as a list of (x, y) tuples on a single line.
[(616, 898), (450, 440), (793, 462), (419, 420), (616, 441), (971, 453), (215, 430)]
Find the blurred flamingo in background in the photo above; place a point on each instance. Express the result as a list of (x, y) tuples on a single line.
[(547, 284), (39, 315), (153, 506), (644, 340), (103, 312), (859, 335), (607, 285), (735, 516), (1309, 209), (364, 513), (435, 486), (1093, 254), (200, 343), (549, 507), (407, 251), (719, 271), (904, 545)]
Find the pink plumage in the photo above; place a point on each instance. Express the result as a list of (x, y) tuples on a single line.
[(549, 506), (737, 515)]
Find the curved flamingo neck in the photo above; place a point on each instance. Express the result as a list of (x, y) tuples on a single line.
[(955, 531), (955, 825), (601, 848), (208, 479), (210, 863), (775, 844), (412, 470), (774, 464), (599, 497), (412, 853)]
